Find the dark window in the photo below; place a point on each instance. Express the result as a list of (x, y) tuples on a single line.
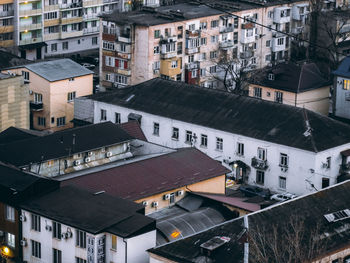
[(325, 182), (56, 232), (35, 222), (260, 177), (57, 256)]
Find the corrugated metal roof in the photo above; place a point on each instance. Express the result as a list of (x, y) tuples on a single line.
[(151, 176)]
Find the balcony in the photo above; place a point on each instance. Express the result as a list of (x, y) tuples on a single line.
[(31, 40), (246, 54), (110, 1), (7, 29), (126, 72), (248, 25), (6, 13), (226, 29), (168, 39), (190, 51), (247, 39), (91, 16), (31, 12), (278, 44), (168, 55), (71, 34), (51, 36), (297, 30), (278, 34), (345, 168), (36, 106), (90, 30), (71, 5), (193, 33), (51, 8), (123, 38), (92, 2), (281, 15), (30, 27), (226, 44), (259, 164), (192, 65), (299, 12), (71, 20)]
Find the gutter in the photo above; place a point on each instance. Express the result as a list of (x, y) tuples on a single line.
[(126, 250), (246, 244)]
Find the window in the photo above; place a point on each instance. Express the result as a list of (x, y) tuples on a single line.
[(103, 115), (203, 25), (175, 134), (117, 117), (219, 144), (179, 48), (61, 121), (249, 32), (172, 198), (114, 242), (54, 47), (65, 45), (260, 177), (278, 97), (94, 41), (213, 54), (203, 41), (156, 50), (122, 47), (235, 37), (212, 69), (192, 27), (56, 230), (261, 154), (10, 240), (174, 64), (36, 249), (282, 182), (270, 14), (121, 79), (240, 149), (156, 65), (203, 71), (268, 43), (257, 92), (329, 159), (156, 33), (280, 41), (10, 213), (214, 39), (325, 182), (81, 239), (346, 84), (156, 128), (268, 57), (214, 23), (235, 22), (190, 58), (108, 45), (57, 256), (204, 140), (38, 98), (71, 96), (41, 121), (188, 136), (25, 75), (79, 260), (284, 160), (194, 73), (35, 223)]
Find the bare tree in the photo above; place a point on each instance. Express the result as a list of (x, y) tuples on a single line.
[(289, 242)]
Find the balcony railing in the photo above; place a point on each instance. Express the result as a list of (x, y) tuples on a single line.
[(31, 27), (124, 39), (168, 55), (193, 33), (248, 25), (190, 51), (31, 12), (259, 164), (36, 106), (90, 16), (192, 65), (31, 40), (168, 39), (246, 54), (71, 5), (91, 30), (226, 29), (6, 13), (226, 44)]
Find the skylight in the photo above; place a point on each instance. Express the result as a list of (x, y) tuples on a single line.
[(337, 216)]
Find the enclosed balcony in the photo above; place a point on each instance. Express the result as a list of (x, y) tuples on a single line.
[(193, 33), (190, 51), (259, 164), (226, 29), (246, 54), (36, 106), (226, 44), (192, 65)]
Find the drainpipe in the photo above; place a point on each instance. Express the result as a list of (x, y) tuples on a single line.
[(126, 250), (246, 244)]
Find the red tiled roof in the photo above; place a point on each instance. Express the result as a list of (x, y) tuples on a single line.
[(151, 176), (133, 129)]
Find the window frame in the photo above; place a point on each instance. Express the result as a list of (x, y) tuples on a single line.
[(219, 144), (156, 127), (204, 140), (260, 177), (56, 230), (240, 149), (175, 134), (36, 249), (10, 213), (35, 223), (80, 240), (189, 136)]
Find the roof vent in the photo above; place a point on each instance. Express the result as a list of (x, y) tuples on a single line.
[(213, 244), (339, 215), (271, 76)]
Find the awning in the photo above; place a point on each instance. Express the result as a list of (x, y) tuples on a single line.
[(33, 46), (345, 153), (239, 163)]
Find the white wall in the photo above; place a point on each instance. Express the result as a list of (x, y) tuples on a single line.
[(299, 176)]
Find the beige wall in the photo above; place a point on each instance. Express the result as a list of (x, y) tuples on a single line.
[(14, 103), (339, 254), (54, 96), (214, 185), (316, 100)]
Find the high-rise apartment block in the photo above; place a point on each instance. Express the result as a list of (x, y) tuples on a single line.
[(189, 41)]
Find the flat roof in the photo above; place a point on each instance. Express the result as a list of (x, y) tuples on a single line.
[(251, 117), (155, 175)]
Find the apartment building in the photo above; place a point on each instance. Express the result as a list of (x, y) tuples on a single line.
[(189, 41), (341, 96), (281, 147), (14, 100), (75, 225), (53, 85), (7, 23), (55, 27)]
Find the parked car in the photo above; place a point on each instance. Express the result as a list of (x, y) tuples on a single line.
[(88, 65), (283, 196), (250, 190)]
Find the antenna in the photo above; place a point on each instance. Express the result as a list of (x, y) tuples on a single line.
[(73, 142)]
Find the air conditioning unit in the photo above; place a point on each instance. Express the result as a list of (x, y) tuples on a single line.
[(156, 71), (108, 154), (63, 236), (87, 159), (22, 218), (90, 153), (284, 169), (23, 243), (166, 197), (48, 228), (154, 204), (69, 234), (76, 162), (325, 165), (144, 203), (180, 192), (30, 92)]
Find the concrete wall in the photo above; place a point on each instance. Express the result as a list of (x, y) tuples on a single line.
[(14, 103)]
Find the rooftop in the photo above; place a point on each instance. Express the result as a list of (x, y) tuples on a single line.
[(91, 212), (310, 209), (59, 69), (280, 124), (144, 178), (291, 77), (62, 143), (13, 134), (133, 128), (344, 68)]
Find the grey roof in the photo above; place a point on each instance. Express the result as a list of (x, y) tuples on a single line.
[(91, 212), (291, 77), (251, 117), (309, 210), (344, 68), (58, 69)]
